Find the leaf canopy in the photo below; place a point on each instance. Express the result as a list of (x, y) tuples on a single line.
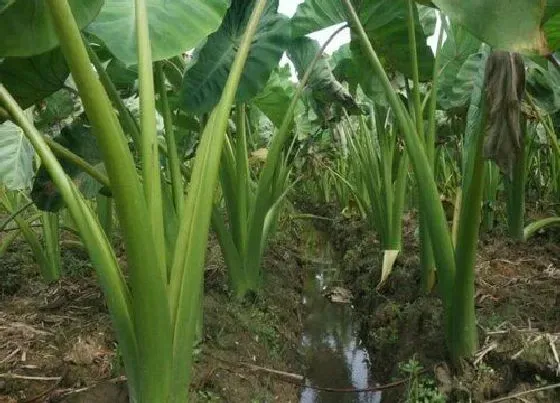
[(175, 26), (26, 28), (206, 76)]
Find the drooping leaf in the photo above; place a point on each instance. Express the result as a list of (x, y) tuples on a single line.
[(347, 69), (315, 15), (31, 79), (276, 96), (543, 84), (385, 22), (552, 31), (175, 26), (26, 28), (512, 25), (206, 76), (53, 110), (428, 19), (505, 89), (78, 139), (454, 54), (328, 96), (16, 158)]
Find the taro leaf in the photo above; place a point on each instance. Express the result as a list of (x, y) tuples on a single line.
[(512, 25), (206, 76), (124, 77), (175, 26), (428, 19), (460, 93), (552, 30), (54, 110), (347, 69), (16, 158), (314, 15), (385, 22), (543, 84), (552, 8), (31, 79), (26, 28), (78, 139), (276, 96), (454, 54), (4, 4), (328, 95)]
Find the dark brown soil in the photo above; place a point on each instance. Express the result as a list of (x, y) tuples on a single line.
[(56, 340)]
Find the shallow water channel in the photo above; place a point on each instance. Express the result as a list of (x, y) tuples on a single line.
[(335, 358)]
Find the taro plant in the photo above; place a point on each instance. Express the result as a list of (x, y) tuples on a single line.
[(242, 258), (379, 178), (155, 311)]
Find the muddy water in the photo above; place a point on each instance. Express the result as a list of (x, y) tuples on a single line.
[(335, 359)]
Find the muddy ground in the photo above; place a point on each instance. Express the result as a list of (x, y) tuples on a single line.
[(56, 342), (517, 307)]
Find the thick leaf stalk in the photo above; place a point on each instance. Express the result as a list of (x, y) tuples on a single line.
[(188, 263), (150, 307)]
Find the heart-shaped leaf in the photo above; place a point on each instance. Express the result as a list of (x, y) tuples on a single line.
[(16, 158), (31, 79), (512, 25), (26, 28), (175, 26), (205, 79)]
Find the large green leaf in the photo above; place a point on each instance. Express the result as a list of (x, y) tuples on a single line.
[(512, 25), (175, 26), (385, 22), (31, 79), (347, 69), (16, 158), (327, 95), (276, 96), (26, 28), (78, 139), (552, 31), (455, 52), (543, 84), (205, 78), (314, 15)]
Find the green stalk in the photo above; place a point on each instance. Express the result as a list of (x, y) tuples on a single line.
[(151, 168), (173, 160), (188, 263), (429, 197), (151, 312), (51, 240), (105, 214), (68, 155), (516, 191), (103, 258), (127, 121), (419, 118), (465, 337), (242, 166)]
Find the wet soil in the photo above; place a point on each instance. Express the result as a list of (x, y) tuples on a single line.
[(56, 342), (517, 307)]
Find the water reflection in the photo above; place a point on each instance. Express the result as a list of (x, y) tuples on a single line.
[(334, 356)]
